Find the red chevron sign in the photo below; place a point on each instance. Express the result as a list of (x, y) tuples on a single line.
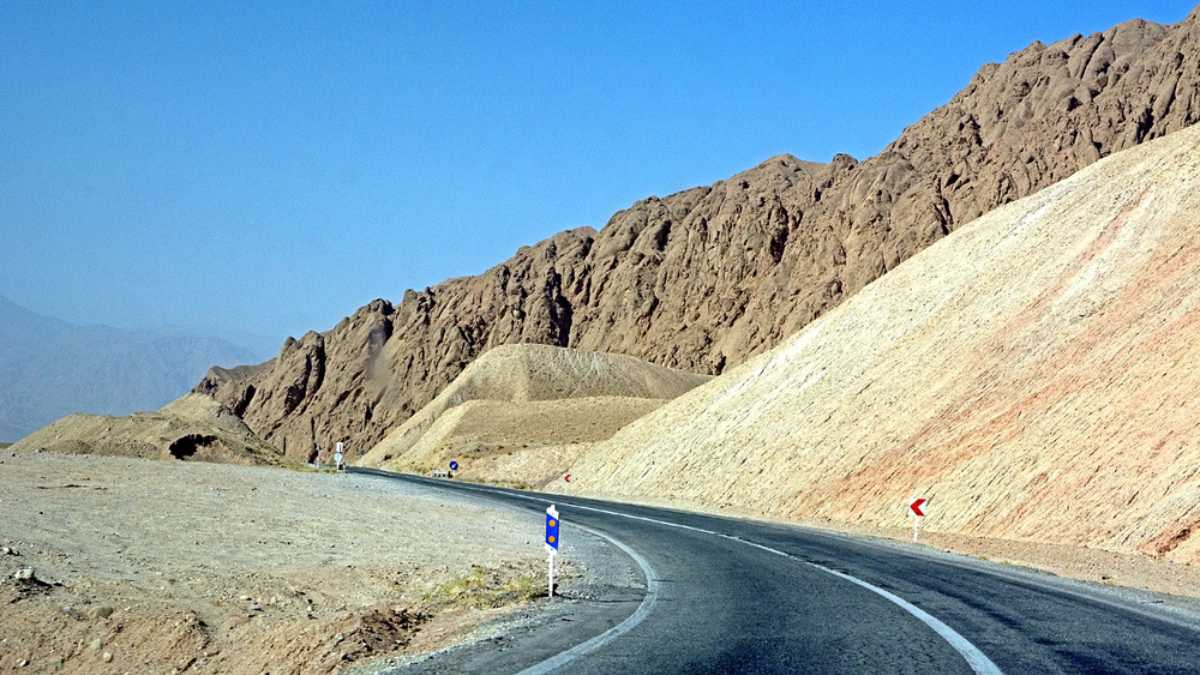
[(916, 506)]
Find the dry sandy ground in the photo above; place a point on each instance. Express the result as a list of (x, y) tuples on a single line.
[(1035, 374), (157, 566)]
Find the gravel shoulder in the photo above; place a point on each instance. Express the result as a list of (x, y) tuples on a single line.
[(155, 566)]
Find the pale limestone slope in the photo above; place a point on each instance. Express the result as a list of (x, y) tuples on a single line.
[(518, 396), (1036, 374), (525, 442)]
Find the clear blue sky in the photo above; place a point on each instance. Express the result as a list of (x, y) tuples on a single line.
[(268, 169)]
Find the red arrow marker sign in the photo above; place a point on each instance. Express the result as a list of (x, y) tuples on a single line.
[(916, 506)]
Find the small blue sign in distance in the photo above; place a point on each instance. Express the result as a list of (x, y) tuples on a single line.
[(552, 529), (454, 465)]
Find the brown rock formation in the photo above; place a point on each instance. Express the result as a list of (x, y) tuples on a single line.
[(191, 428), (708, 277)]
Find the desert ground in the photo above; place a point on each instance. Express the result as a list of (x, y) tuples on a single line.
[(128, 565)]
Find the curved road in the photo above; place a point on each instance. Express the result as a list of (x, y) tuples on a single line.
[(727, 595)]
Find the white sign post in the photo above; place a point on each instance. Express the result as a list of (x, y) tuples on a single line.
[(337, 457), (916, 511), (552, 527)]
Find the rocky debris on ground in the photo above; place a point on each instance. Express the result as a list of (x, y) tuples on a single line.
[(705, 278), (26, 584)]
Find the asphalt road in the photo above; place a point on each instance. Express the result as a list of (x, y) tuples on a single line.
[(728, 595)]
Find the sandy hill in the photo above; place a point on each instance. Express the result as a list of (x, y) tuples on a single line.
[(1036, 375), (193, 428), (705, 278), (518, 397)]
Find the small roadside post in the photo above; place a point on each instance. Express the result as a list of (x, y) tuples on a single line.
[(453, 467), (552, 525), (338, 456), (917, 513)]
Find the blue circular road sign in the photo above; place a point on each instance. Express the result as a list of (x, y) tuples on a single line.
[(454, 465)]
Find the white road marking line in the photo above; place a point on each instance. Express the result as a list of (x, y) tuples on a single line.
[(563, 658), (976, 659), (638, 616)]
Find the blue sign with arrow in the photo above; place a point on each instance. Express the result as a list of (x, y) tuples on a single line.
[(552, 528), (454, 465)]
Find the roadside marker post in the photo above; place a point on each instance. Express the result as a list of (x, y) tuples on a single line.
[(454, 465), (552, 539), (916, 511), (338, 456)]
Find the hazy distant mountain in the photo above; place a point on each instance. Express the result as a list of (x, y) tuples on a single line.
[(50, 368)]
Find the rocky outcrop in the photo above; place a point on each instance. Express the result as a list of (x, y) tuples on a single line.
[(193, 428), (705, 278)]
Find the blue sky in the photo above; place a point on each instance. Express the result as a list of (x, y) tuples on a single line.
[(268, 169)]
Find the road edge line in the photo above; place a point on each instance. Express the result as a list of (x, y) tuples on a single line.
[(563, 658), (595, 642), (975, 658)]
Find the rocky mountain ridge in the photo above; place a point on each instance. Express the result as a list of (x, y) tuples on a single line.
[(705, 278)]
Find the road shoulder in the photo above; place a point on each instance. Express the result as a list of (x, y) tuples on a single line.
[(604, 587)]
